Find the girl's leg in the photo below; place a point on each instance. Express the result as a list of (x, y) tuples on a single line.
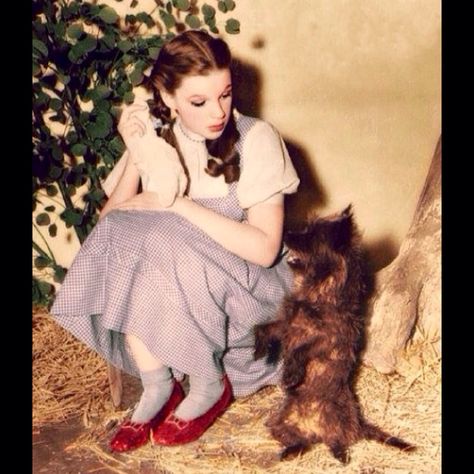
[(203, 394), (156, 379)]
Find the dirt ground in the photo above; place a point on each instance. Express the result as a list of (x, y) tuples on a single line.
[(54, 451)]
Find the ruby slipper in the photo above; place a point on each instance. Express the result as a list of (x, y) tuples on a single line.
[(175, 431), (131, 435)]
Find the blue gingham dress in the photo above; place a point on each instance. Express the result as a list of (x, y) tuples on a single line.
[(193, 303)]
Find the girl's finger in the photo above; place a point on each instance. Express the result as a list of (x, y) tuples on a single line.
[(132, 130)]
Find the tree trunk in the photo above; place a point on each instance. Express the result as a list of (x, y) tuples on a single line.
[(406, 304)]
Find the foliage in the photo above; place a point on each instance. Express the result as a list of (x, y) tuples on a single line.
[(86, 62)]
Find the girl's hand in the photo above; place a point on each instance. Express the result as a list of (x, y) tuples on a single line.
[(146, 200), (131, 125)]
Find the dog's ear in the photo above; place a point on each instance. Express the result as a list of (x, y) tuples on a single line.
[(342, 230)]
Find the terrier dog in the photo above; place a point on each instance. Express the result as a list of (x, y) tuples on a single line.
[(319, 334)]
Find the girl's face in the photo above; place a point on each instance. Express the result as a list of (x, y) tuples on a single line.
[(203, 103)]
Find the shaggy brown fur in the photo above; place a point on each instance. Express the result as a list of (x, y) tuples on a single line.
[(319, 335)]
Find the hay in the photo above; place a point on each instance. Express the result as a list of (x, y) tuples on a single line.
[(406, 404), (68, 379)]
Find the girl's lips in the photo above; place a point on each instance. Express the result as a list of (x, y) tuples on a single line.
[(216, 128)]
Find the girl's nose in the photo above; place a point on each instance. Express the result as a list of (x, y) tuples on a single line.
[(217, 110)]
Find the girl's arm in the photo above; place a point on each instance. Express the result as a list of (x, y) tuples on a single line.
[(258, 240), (126, 188)]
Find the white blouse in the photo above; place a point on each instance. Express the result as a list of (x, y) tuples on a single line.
[(267, 171)]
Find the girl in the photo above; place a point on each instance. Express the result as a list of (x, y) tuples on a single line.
[(164, 292)]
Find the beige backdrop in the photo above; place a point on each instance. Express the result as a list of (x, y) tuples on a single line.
[(354, 88)]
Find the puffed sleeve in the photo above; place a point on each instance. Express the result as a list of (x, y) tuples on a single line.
[(114, 176), (266, 166)]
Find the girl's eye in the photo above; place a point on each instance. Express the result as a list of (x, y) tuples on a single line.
[(198, 104), (227, 94)]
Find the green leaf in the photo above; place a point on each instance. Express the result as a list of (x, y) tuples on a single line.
[(136, 76), (79, 149), (74, 56), (45, 288), (71, 217), (124, 87), (43, 219), (125, 45), (128, 97), (153, 53), (42, 99), (41, 262), (222, 6), (57, 151), (36, 69), (55, 172), (116, 146), (108, 40), (40, 46), (84, 118), (182, 4), (59, 30), (167, 19), (88, 44), (64, 78), (56, 104), (100, 92), (146, 18), (75, 31), (51, 190), (230, 4), (102, 104), (107, 157), (193, 21), (211, 23), (101, 126), (84, 46), (134, 3), (53, 230), (208, 11), (59, 274), (108, 15), (71, 137), (232, 26), (97, 195), (50, 208), (127, 59)]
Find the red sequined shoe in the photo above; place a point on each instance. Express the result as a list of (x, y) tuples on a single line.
[(132, 435), (174, 431)]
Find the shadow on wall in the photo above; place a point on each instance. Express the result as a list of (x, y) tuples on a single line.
[(247, 99), (247, 93), (311, 195), (381, 253)]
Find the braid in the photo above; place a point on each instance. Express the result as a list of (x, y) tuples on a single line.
[(223, 148)]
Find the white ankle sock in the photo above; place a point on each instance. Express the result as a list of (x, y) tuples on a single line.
[(157, 387), (203, 394)]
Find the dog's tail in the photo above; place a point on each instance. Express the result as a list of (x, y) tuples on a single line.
[(373, 432)]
